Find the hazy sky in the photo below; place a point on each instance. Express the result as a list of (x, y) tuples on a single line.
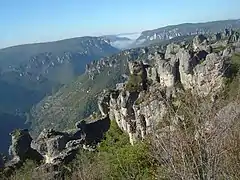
[(27, 21)]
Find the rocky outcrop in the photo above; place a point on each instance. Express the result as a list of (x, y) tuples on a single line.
[(171, 50), (121, 110), (228, 52), (234, 37), (149, 110), (55, 147), (103, 103), (203, 76), (200, 42), (226, 38), (137, 113), (199, 70), (20, 150), (21, 141), (60, 147)]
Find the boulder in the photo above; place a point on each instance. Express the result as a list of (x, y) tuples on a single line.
[(20, 149), (21, 146), (21, 141), (57, 147), (60, 147), (200, 42)]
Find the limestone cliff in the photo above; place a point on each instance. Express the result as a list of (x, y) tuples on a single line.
[(141, 103)]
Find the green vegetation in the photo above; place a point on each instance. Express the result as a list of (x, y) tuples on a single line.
[(24, 173), (201, 61), (115, 159), (235, 63), (218, 49), (90, 107), (16, 55), (31, 72), (232, 82), (134, 83), (77, 100), (17, 133), (139, 101)]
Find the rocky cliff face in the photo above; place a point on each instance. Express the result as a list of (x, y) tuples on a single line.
[(143, 101), (21, 149), (187, 29), (55, 147)]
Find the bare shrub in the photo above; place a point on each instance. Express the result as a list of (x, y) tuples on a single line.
[(205, 143)]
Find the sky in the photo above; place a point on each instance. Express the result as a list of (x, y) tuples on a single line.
[(30, 21)]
